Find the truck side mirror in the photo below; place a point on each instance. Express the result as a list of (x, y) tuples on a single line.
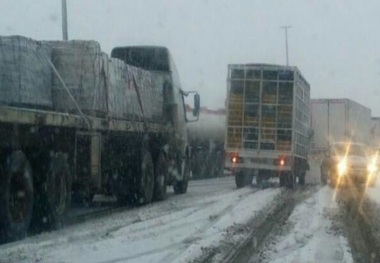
[(197, 105)]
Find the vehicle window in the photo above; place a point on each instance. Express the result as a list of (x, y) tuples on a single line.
[(353, 150)]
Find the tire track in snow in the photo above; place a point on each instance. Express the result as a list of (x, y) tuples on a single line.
[(199, 217), (105, 228)]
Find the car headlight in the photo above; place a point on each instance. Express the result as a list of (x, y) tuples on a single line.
[(342, 165), (372, 168)]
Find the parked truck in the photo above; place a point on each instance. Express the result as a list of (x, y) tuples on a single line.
[(75, 122), (267, 127), (337, 120)]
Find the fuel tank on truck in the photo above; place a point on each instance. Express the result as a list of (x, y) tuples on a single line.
[(207, 140)]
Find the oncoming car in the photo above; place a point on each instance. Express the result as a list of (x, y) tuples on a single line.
[(349, 163)]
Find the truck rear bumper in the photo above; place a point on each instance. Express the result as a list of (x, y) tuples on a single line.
[(252, 164)]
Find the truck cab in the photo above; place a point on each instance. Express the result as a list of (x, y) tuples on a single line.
[(159, 62)]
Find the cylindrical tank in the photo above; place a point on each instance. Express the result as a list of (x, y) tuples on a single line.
[(207, 141)]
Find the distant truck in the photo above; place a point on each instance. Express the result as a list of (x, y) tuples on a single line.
[(75, 122), (375, 132), (207, 142), (268, 123), (335, 120)]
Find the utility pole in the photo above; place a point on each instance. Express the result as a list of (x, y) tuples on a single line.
[(286, 43), (64, 20)]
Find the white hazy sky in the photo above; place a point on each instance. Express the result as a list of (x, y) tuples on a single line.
[(336, 44)]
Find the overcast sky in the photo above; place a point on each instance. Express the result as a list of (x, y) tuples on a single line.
[(336, 44)]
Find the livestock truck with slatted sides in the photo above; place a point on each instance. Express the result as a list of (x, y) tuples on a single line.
[(268, 124), (75, 122)]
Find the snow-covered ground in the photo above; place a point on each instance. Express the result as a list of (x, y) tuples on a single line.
[(310, 235), (374, 192), (176, 230)]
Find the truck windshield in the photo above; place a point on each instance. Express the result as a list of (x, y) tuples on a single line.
[(356, 150), (148, 58)]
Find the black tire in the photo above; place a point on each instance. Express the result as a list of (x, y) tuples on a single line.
[(291, 180), (301, 178), (333, 181), (240, 179), (144, 179), (282, 179), (54, 197), (180, 187), (259, 179), (249, 179), (15, 217), (121, 185), (323, 176), (323, 179), (161, 177)]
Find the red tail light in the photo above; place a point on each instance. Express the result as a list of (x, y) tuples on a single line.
[(237, 159)]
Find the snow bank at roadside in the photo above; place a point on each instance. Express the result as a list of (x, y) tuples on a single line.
[(310, 235)]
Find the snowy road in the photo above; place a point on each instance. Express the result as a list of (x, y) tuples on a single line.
[(213, 217), (177, 230), (309, 234)]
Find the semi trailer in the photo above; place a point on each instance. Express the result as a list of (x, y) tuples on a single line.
[(75, 122), (268, 123)]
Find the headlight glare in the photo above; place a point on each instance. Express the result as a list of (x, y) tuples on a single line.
[(342, 165), (372, 168)]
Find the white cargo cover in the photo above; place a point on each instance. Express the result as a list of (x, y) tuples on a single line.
[(339, 120), (81, 67), (25, 73), (118, 83), (149, 91)]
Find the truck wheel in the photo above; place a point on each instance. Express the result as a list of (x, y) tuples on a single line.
[(121, 186), (323, 179), (240, 179), (301, 178), (58, 186), (333, 181), (282, 179), (323, 176), (249, 179), (161, 177), (291, 180), (145, 179), (259, 179), (16, 197), (180, 187), (53, 196)]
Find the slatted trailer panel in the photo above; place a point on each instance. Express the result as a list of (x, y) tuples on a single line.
[(268, 109)]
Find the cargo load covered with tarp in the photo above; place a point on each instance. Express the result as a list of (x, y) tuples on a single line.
[(149, 93), (133, 93), (117, 83), (81, 66), (25, 72)]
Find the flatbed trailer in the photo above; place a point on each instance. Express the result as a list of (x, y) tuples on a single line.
[(49, 158)]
